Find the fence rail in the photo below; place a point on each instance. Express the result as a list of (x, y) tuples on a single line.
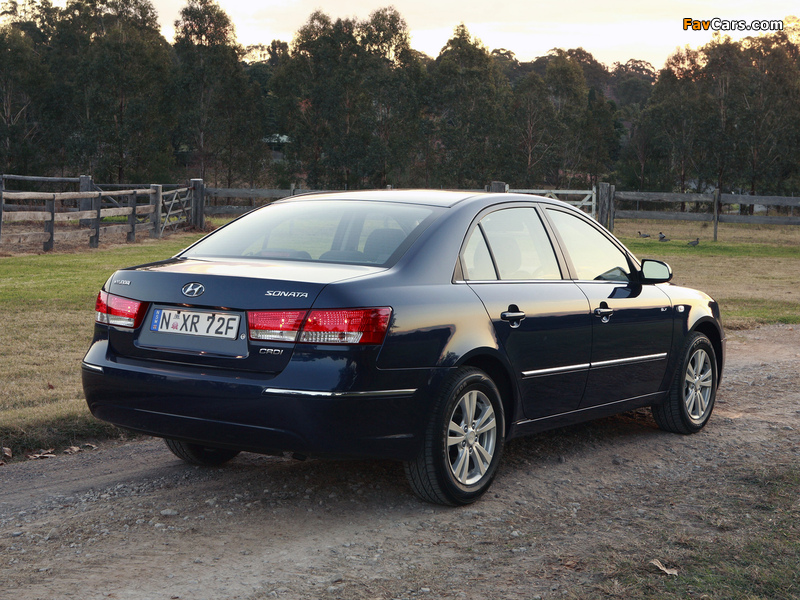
[(161, 212), (168, 210), (587, 198), (715, 214)]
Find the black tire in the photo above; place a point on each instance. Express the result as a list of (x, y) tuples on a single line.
[(463, 441), (693, 391), (195, 454)]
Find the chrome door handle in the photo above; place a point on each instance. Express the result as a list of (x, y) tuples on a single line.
[(513, 315)]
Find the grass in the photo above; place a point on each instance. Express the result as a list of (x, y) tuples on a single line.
[(754, 273), (744, 544), (47, 303)]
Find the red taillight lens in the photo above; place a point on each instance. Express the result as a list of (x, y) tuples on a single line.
[(119, 311), (350, 326), (275, 325)]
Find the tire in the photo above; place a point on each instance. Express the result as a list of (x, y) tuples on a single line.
[(463, 441), (693, 391), (195, 454)]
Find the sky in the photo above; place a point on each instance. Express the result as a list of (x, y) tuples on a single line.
[(612, 30)]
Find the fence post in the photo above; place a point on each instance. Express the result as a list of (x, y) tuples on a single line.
[(49, 226), (611, 209), (85, 185), (156, 197), (131, 237), (717, 198), (94, 239), (602, 203), (198, 204), (2, 187), (498, 187)]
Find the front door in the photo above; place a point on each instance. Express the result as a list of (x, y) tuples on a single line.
[(631, 322)]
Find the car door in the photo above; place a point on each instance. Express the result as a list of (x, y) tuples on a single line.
[(631, 322), (541, 320)]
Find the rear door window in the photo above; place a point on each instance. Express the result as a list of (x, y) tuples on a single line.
[(517, 242)]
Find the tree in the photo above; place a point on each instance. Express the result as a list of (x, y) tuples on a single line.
[(632, 83), (471, 102), (568, 95), (350, 100), (680, 111), (768, 123), (602, 135), (223, 125), (22, 80), (533, 119)]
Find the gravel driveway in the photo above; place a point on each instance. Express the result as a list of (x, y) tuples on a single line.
[(130, 521)]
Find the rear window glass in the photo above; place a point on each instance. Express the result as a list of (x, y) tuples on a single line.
[(353, 232)]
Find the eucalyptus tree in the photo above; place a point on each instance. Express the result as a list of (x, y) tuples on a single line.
[(23, 78), (768, 123), (534, 134), (568, 95), (721, 83), (125, 75), (223, 121), (349, 93), (471, 100), (682, 113)]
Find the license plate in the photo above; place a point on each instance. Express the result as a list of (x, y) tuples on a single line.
[(192, 322)]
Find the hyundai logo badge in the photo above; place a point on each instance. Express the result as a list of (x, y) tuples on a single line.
[(193, 290)]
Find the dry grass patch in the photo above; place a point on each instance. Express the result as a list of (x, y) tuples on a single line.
[(732, 233)]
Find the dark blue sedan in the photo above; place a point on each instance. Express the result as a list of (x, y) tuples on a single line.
[(423, 326)]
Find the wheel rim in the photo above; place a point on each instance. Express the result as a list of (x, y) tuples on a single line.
[(471, 437), (698, 385)]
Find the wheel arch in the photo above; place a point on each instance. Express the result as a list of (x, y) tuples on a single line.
[(710, 330), (498, 372)]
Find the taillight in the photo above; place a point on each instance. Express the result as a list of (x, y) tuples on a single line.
[(119, 311), (349, 326), (275, 325)]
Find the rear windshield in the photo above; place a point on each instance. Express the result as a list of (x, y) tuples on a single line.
[(352, 232)]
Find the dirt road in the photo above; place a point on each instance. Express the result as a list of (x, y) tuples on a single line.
[(129, 521)]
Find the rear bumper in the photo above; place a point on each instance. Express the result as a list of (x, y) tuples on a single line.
[(256, 413)]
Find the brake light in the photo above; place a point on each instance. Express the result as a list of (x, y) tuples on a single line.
[(119, 311), (349, 326), (275, 325)]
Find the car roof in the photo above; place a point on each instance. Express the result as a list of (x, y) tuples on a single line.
[(442, 198)]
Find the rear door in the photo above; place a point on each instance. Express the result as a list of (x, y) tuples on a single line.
[(541, 320), (631, 322)]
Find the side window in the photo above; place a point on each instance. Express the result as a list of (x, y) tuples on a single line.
[(519, 244), (477, 261), (593, 255)]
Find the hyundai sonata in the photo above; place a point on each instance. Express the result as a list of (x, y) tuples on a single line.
[(424, 326)]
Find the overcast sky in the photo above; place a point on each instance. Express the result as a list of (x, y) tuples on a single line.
[(612, 30)]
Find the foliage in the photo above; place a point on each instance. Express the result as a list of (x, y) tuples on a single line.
[(94, 88)]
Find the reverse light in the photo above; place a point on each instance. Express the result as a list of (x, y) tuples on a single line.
[(119, 311), (348, 326), (275, 325)]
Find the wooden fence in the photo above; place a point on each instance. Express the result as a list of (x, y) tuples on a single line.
[(145, 210), (166, 211), (715, 208), (583, 199)]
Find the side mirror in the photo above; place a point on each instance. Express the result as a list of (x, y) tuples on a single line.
[(655, 271)]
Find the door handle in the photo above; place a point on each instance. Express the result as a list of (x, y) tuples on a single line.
[(603, 312), (513, 315)]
